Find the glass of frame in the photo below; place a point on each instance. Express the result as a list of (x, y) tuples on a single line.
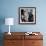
[(27, 15)]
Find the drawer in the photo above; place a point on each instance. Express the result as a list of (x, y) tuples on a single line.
[(34, 37), (37, 43), (13, 43), (33, 43), (16, 37), (9, 43)]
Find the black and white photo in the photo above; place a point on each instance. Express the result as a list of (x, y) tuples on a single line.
[(27, 15)]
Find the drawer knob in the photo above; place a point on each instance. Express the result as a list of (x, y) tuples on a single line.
[(33, 42)]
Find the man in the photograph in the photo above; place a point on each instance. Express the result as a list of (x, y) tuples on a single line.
[(30, 18), (22, 15)]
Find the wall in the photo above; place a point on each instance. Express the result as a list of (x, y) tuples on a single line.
[(9, 8)]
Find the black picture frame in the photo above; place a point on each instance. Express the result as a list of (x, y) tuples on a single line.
[(27, 15)]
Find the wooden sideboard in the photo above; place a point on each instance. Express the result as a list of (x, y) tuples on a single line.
[(20, 39)]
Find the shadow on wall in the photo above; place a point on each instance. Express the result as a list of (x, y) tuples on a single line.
[(2, 21)]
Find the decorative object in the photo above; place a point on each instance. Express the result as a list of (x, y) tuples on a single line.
[(30, 33), (27, 15), (9, 21)]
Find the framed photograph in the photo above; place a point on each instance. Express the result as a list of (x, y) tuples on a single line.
[(27, 15)]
